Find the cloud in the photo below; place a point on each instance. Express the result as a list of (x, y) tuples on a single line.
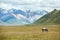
[(20, 4), (4, 5), (9, 6), (30, 4), (54, 4), (21, 1)]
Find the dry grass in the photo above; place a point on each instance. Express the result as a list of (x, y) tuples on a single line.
[(33, 32)]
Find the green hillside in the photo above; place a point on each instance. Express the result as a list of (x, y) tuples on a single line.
[(50, 18)]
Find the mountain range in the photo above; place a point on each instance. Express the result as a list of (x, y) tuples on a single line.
[(52, 18), (19, 17)]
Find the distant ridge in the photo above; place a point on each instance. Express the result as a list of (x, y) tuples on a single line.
[(19, 17), (50, 18)]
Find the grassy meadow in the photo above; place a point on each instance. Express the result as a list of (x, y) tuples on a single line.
[(30, 32)]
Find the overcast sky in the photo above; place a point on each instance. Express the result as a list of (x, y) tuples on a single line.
[(30, 4)]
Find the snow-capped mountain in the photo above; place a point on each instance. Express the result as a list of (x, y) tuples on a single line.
[(12, 18), (35, 15), (19, 17)]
